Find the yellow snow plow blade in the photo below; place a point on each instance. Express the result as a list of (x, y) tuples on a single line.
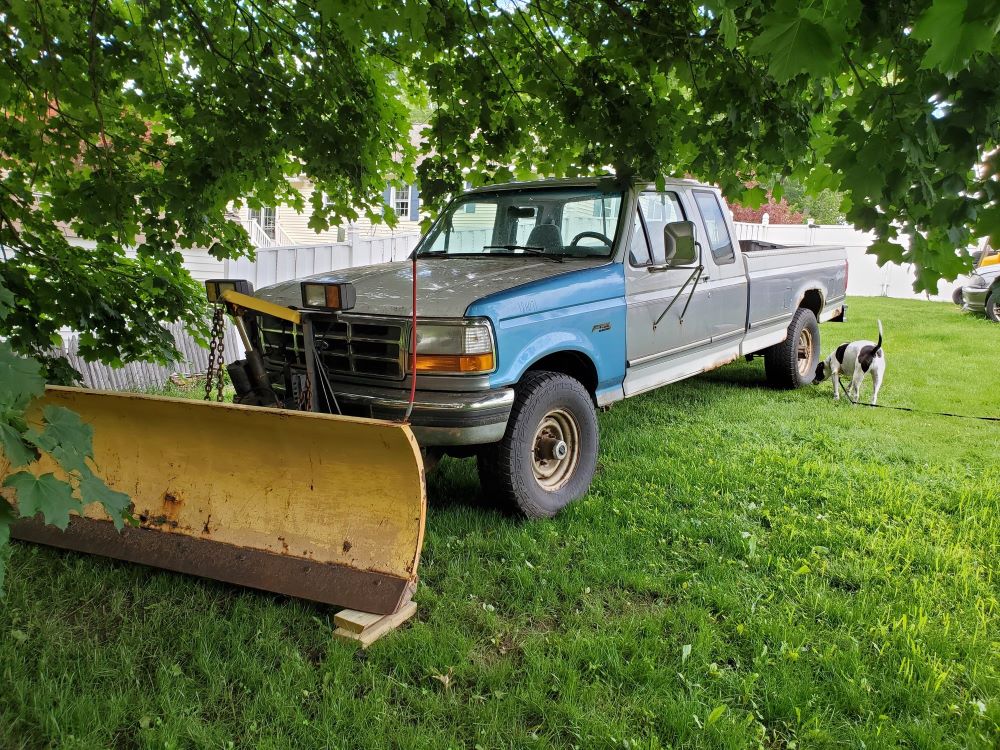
[(315, 506)]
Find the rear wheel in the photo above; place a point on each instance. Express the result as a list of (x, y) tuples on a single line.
[(792, 363), (548, 454), (993, 305)]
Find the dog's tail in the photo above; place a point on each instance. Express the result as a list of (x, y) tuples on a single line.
[(878, 344)]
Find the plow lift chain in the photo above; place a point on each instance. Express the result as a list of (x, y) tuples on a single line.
[(216, 355), (302, 391)]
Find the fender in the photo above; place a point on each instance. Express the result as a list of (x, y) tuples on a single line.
[(582, 311)]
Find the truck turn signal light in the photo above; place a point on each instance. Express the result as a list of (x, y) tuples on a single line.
[(463, 363)]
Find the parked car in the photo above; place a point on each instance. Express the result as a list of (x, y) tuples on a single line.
[(981, 294), (540, 302)]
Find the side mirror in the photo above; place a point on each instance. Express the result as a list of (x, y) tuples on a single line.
[(679, 246)]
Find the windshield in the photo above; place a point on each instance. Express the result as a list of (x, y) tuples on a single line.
[(580, 222)]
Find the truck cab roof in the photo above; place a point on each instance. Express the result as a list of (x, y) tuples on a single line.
[(566, 182)]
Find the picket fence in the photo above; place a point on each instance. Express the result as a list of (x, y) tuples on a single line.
[(141, 376)]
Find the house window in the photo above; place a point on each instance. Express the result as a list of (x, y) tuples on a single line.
[(401, 201), (266, 217)]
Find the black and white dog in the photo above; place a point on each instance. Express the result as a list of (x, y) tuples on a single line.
[(854, 359)]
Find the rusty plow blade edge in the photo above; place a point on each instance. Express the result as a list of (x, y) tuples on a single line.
[(315, 506)]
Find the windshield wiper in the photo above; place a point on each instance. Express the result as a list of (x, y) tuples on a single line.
[(539, 251), (446, 254)]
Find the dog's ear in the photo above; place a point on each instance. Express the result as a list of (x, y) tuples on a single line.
[(820, 373)]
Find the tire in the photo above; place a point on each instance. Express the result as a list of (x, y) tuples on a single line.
[(957, 298), (792, 363), (523, 470), (993, 305)]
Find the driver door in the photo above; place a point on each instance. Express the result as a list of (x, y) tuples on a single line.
[(661, 348)]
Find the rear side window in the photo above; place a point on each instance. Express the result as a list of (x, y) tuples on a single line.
[(719, 240)]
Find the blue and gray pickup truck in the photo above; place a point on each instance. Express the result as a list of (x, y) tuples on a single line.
[(540, 302)]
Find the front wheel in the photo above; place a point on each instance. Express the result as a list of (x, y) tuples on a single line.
[(548, 454), (993, 305), (792, 363)]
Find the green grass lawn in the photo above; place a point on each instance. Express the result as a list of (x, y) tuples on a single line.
[(752, 568)]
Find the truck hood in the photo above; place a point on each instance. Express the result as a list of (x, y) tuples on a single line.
[(445, 286)]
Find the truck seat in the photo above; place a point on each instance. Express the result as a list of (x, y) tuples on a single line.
[(655, 230), (547, 237)]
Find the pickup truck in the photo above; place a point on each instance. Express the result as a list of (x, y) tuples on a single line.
[(539, 303)]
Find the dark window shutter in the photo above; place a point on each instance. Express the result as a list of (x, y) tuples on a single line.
[(414, 203)]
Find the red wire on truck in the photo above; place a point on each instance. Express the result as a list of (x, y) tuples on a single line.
[(413, 342)]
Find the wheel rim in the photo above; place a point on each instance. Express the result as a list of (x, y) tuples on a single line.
[(805, 351), (555, 450)]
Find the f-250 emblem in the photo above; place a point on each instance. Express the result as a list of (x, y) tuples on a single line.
[(599, 327)]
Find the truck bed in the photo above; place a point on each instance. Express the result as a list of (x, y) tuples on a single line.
[(777, 276)]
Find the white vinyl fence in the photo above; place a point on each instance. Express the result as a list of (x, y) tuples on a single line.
[(275, 264), (271, 265), (866, 277)]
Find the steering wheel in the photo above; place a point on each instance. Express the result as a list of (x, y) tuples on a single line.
[(596, 235)]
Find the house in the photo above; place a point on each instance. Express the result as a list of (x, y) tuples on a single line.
[(277, 226), (282, 225)]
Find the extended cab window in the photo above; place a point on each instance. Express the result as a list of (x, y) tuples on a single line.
[(719, 240), (656, 210)]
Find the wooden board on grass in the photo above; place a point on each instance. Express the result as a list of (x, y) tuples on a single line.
[(365, 628)]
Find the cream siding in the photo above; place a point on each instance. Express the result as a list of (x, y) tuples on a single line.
[(292, 227)]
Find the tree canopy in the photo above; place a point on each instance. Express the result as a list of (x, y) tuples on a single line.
[(795, 206), (136, 124), (893, 103)]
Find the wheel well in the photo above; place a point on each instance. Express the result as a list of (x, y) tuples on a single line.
[(575, 364), (812, 300)]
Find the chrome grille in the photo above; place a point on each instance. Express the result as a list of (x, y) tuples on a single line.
[(368, 347)]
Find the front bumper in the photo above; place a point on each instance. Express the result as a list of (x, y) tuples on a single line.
[(439, 418), (974, 298)]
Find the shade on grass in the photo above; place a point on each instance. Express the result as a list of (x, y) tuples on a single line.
[(751, 566)]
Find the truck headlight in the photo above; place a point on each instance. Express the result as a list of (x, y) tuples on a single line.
[(331, 295), (454, 348), (215, 288)]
